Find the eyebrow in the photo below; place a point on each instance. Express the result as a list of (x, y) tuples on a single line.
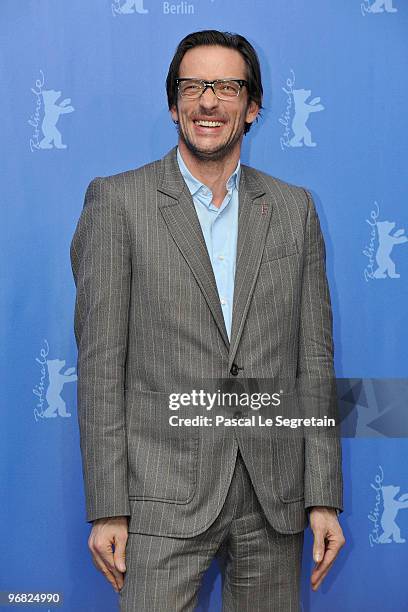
[(229, 78)]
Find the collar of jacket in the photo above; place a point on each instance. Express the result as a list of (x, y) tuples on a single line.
[(171, 181)]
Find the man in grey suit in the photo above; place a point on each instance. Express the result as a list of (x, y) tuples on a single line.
[(199, 268)]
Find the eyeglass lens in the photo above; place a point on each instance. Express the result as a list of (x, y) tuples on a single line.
[(193, 89)]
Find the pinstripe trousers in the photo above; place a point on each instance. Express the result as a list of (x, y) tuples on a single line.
[(260, 567)]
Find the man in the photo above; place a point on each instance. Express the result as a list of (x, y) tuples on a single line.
[(197, 267)]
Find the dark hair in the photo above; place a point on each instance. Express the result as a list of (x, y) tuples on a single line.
[(223, 39)]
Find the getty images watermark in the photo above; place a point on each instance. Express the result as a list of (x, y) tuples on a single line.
[(252, 401)]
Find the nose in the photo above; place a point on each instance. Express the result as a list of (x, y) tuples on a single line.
[(208, 99)]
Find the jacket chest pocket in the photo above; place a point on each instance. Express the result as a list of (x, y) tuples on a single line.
[(279, 276), (279, 251)]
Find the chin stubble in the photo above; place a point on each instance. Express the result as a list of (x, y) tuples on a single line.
[(217, 155)]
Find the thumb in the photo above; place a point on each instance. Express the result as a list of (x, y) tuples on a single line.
[(318, 547), (119, 556)]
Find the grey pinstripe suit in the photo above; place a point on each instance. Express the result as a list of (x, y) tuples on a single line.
[(148, 320)]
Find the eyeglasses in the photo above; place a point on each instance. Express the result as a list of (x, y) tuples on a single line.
[(224, 89)]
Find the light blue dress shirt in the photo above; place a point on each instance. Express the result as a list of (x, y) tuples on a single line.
[(220, 230)]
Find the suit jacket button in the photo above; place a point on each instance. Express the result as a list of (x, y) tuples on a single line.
[(234, 369)]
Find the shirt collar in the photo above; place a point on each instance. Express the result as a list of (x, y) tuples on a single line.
[(195, 185)]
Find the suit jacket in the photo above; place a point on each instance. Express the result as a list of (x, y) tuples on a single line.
[(148, 321)]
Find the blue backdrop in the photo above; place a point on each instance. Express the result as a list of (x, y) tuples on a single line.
[(84, 95)]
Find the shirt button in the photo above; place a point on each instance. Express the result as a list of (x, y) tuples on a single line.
[(223, 301), (221, 257)]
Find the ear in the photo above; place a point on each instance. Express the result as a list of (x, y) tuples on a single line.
[(252, 111), (174, 113)]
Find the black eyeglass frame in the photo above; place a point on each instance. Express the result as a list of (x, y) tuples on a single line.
[(206, 84)]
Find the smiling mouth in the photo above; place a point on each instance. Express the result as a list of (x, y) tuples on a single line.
[(208, 124)]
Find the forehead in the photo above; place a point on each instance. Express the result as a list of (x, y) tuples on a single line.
[(212, 62)]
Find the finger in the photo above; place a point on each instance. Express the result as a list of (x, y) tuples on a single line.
[(106, 554), (321, 569), (318, 546), (325, 563), (316, 585), (102, 551), (100, 565), (331, 547), (333, 544), (119, 556)]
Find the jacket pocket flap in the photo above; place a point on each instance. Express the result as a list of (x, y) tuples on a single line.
[(278, 251)]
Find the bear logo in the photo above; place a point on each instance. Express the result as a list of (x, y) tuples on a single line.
[(128, 7), (386, 242), (302, 112), (52, 112), (378, 6), (57, 380), (391, 531)]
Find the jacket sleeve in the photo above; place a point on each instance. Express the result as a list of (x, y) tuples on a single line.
[(101, 266), (323, 453)]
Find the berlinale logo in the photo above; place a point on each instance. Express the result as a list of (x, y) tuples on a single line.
[(383, 238), (378, 6), (128, 7), (298, 109), (50, 403), (48, 109), (386, 521)]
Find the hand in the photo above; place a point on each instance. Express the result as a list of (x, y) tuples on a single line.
[(328, 539), (105, 532)]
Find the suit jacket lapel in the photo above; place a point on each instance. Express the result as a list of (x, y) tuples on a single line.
[(177, 208), (255, 211)]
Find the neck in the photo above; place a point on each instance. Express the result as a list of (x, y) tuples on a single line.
[(214, 174)]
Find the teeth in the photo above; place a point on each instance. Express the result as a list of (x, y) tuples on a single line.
[(208, 123)]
